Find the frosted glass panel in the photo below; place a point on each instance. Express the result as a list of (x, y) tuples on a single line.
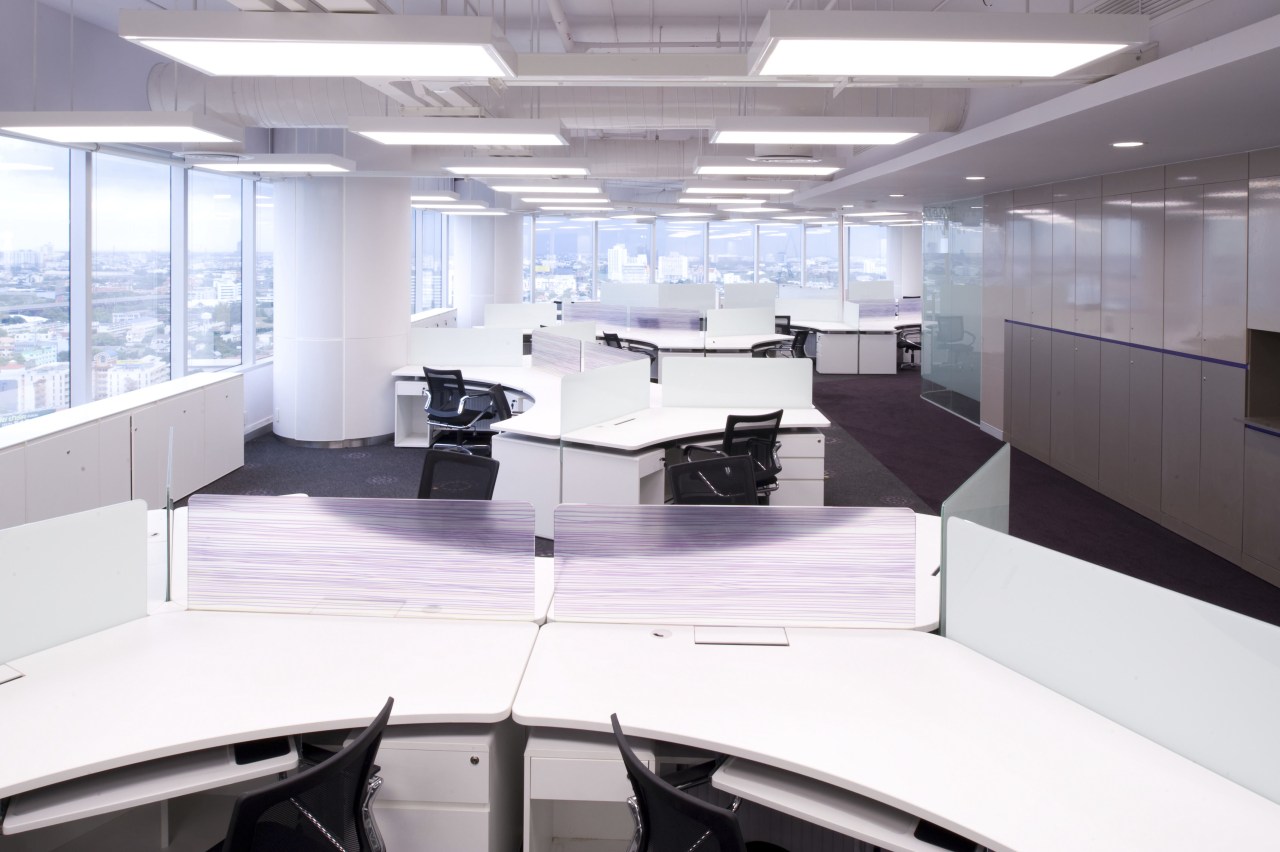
[(983, 498), (950, 369), (71, 576), (1198, 679)]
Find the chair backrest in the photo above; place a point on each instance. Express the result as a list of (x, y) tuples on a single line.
[(782, 324), (448, 475), (950, 329), (612, 339), (500, 408), (670, 819), (755, 435), (728, 481), (799, 341), (315, 808), (446, 388), (909, 337)]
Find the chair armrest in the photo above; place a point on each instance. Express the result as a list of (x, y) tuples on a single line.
[(693, 776), (694, 452)]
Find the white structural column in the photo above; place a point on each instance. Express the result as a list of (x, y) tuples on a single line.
[(485, 257), (341, 298)]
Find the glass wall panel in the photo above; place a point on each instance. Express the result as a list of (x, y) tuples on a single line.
[(952, 306), (780, 262), (526, 258), (35, 279), (681, 251), (130, 275), (429, 290), (563, 257), (215, 271), (622, 252), (866, 251), (264, 275), (822, 259), (732, 253)]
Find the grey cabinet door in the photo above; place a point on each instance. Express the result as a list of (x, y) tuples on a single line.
[(1088, 293), (1019, 425), (1183, 268), (1261, 497), (1222, 453), (1146, 298), (1042, 267), (1085, 408), (1226, 234), (1145, 412), (1037, 439), (1264, 253), (1064, 265), (1113, 420), (1062, 443), (1180, 461), (1117, 267)]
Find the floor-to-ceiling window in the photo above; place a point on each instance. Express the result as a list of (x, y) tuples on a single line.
[(822, 258), (681, 248), (623, 249), (215, 271), (429, 288), (731, 255), (130, 274), (866, 250), (264, 274), (780, 253), (563, 258), (35, 279)]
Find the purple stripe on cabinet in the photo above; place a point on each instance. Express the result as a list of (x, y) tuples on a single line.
[(766, 565), (556, 353), (677, 318), (599, 355), (360, 556), (595, 312)]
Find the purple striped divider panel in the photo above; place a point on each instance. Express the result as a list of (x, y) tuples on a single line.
[(757, 565), (877, 310), (360, 556), (556, 353), (595, 312), (684, 319), (598, 355)]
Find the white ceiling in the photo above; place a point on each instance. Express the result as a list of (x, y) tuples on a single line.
[(1201, 98)]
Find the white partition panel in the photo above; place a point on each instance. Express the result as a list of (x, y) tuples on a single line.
[(631, 295), (852, 314), (749, 296), (825, 310), (729, 321), (466, 347), (700, 297), (1198, 679), (519, 314), (598, 395), (70, 576), (869, 291), (576, 330), (737, 382)]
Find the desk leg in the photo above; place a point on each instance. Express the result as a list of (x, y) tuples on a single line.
[(166, 835)]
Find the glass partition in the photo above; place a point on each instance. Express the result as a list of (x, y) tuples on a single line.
[(264, 278), (215, 271), (982, 499), (951, 371), (35, 279)]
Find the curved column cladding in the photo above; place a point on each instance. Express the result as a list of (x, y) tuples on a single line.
[(342, 250)]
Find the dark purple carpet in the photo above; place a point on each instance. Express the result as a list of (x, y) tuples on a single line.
[(933, 451)]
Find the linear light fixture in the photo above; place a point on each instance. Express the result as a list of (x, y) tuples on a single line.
[(445, 205), (873, 215), (799, 217), (820, 130), (138, 128), (300, 164), (556, 199), (549, 188), (474, 212), (436, 195), (518, 166), (933, 44), (712, 199), (757, 210), (283, 44), (459, 131), (739, 188), (743, 167), (684, 214), (581, 208)]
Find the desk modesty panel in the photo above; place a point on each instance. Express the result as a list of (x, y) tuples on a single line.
[(909, 719)]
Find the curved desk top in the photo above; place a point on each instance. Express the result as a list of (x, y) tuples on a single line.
[(177, 682), (910, 719), (684, 340)]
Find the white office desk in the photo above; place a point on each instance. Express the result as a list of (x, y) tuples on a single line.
[(659, 426), (178, 682), (912, 720), (538, 421), (871, 346)]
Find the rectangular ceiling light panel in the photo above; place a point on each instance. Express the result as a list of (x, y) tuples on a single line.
[(136, 128), (460, 131), (518, 167), (741, 167), (802, 130), (743, 188), (283, 44), (549, 188), (283, 164), (938, 44)]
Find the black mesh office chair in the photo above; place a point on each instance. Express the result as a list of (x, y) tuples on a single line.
[(782, 324), (909, 347), (449, 475), (612, 340), (321, 809), (713, 482), (644, 348), (670, 820), (799, 341), (754, 436), (457, 411)]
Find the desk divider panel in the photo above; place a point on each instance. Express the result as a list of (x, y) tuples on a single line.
[(697, 297), (361, 556), (605, 313), (983, 498), (825, 310), (725, 322), (869, 291), (585, 331), (852, 314), (604, 393), (466, 347), (67, 577), (875, 310), (556, 353), (519, 314), (630, 295), (735, 565), (749, 296), (680, 319), (595, 356), (753, 383), (1199, 680), (909, 310)]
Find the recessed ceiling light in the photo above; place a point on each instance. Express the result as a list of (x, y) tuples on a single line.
[(459, 131), (1127, 144), (975, 177)]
